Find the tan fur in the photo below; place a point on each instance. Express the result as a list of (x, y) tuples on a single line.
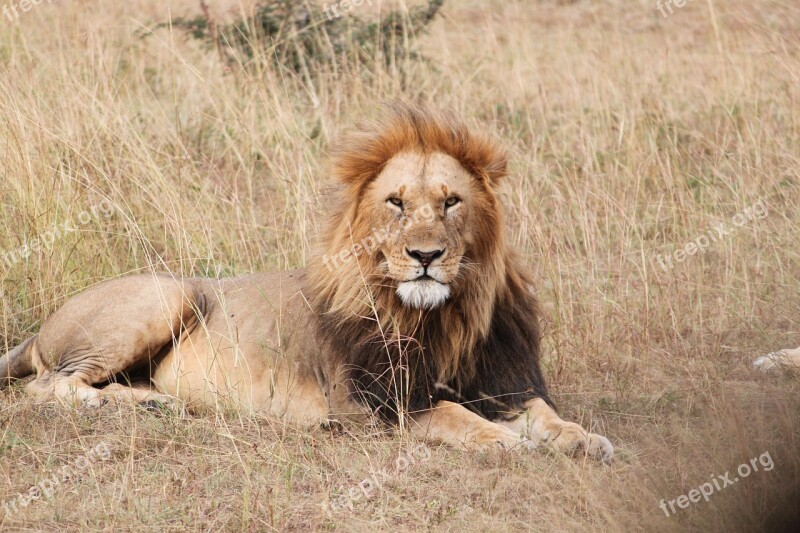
[(258, 342), (783, 360)]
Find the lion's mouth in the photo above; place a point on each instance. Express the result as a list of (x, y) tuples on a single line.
[(424, 292)]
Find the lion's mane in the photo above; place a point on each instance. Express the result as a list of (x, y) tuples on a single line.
[(480, 348)]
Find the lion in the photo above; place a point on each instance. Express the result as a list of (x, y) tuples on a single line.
[(786, 360), (414, 310)]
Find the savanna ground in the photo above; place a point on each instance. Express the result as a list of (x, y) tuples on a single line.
[(631, 134)]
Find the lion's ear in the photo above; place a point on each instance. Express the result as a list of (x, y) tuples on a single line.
[(488, 160), (497, 169)]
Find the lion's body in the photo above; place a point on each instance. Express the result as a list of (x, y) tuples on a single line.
[(414, 308), (238, 342)]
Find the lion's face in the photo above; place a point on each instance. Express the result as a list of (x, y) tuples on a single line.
[(417, 207), (422, 205)]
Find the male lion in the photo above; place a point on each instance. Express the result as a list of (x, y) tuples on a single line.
[(415, 309)]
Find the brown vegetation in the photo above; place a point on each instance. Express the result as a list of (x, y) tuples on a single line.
[(629, 136)]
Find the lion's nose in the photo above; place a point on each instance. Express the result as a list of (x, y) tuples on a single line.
[(425, 258)]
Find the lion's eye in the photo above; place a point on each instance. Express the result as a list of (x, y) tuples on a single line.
[(395, 201), (452, 201)]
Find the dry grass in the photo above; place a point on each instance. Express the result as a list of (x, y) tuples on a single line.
[(631, 134)]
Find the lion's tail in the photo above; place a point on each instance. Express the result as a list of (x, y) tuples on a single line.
[(17, 363)]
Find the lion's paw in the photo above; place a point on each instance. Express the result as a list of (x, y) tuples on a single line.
[(162, 404), (782, 360), (86, 397), (572, 439), (767, 363), (503, 439)]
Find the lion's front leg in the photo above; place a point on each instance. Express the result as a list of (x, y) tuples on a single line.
[(540, 423), (455, 425)]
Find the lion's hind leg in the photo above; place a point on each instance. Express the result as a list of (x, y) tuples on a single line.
[(76, 391), (114, 328), (73, 390)]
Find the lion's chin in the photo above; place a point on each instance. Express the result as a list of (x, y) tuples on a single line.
[(423, 294)]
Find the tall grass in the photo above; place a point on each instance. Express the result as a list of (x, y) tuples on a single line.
[(630, 135)]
